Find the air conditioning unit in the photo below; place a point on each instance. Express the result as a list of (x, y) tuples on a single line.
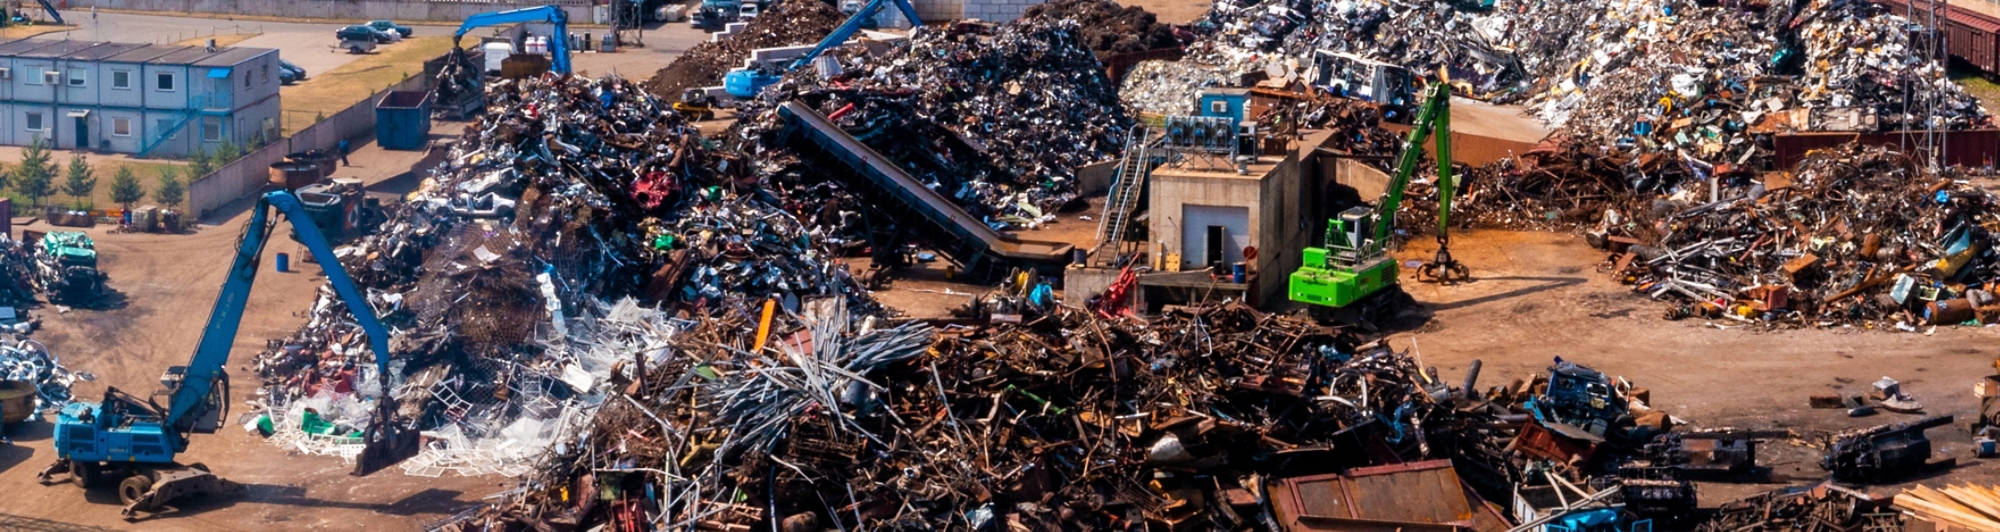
[(6, 73), (51, 77)]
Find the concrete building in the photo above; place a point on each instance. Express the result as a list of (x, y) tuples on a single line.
[(1203, 220), (137, 98)]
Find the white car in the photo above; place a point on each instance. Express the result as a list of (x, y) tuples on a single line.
[(747, 12)]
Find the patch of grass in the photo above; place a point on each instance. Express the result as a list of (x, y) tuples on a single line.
[(1978, 86), (331, 92), (12, 32), (147, 172), (220, 40)]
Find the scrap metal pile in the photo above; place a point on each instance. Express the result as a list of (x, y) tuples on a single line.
[(997, 118), (1859, 236), (1678, 92), (1109, 28), (497, 276), (1062, 421), (1822, 507), (18, 272), (26, 363), (784, 23)]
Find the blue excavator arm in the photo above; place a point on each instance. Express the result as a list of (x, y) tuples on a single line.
[(558, 43), (204, 369), (51, 8), (853, 24), (746, 83)]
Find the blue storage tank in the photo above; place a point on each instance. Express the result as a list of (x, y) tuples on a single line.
[(403, 120)]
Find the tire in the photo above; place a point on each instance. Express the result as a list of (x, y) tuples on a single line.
[(85, 474), (134, 487)]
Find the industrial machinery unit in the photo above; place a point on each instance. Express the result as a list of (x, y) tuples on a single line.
[(341, 209), (747, 82), (135, 439), (555, 16), (1355, 264)]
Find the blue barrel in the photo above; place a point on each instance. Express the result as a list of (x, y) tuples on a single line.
[(1238, 273), (284, 262)]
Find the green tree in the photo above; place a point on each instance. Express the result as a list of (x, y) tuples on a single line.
[(170, 191), (81, 181), (125, 188), (34, 177), (226, 153), (199, 164)]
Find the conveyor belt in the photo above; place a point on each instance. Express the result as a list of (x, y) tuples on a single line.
[(981, 251)]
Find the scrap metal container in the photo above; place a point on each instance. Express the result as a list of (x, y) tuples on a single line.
[(291, 175), (403, 120), (17, 400)]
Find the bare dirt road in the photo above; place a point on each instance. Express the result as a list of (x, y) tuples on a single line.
[(1538, 296)]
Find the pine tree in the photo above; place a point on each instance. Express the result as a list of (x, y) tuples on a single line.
[(34, 177), (125, 188), (170, 191), (199, 164), (225, 154), (81, 181)]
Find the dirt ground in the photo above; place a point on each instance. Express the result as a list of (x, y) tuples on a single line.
[(166, 286), (1537, 296), (1172, 11)]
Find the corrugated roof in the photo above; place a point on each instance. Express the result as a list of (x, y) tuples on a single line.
[(1968, 18), (59, 49), (233, 56), (23, 45), (184, 56), (98, 53), (143, 54)]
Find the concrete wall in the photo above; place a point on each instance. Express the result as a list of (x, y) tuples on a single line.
[(1276, 210), (406, 11), (991, 10), (1282, 232), (247, 175), (1173, 189)]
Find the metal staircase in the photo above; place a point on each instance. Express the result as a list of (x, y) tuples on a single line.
[(1125, 192), (185, 117)]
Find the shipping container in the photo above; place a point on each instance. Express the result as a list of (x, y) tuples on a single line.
[(403, 120), (1971, 37)]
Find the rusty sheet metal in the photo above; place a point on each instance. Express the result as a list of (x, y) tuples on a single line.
[(1962, 148), (1424, 495)]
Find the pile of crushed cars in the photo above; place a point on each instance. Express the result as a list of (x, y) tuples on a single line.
[(1855, 236), (19, 273), (998, 118), (502, 276)]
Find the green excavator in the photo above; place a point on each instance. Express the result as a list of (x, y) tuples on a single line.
[(1346, 278)]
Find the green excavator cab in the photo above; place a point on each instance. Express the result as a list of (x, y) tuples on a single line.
[(1354, 264)]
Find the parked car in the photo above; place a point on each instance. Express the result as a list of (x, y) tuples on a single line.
[(390, 25), (748, 11), (289, 73), (359, 32)]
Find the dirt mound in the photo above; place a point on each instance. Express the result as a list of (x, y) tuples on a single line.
[(1109, 28), (790, 23)]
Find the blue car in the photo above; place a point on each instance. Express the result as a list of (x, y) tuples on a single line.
[(289, 73)]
